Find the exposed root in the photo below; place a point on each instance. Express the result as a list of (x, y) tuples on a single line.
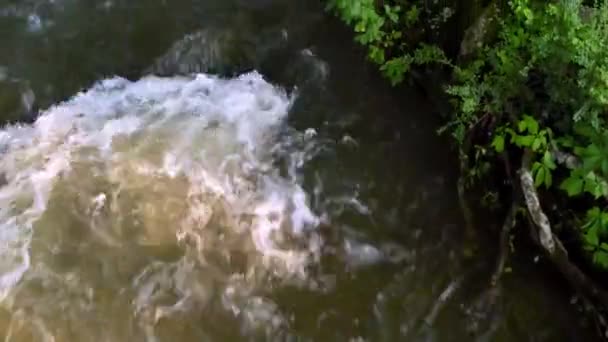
[(504, 244), (554, 249), (444, 297), (599, 319), (464, 204)]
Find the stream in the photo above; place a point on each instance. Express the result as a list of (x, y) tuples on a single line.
[(233, 170)]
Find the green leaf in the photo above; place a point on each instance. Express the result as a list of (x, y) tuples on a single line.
[(605, 167), (522, 126), (360, 27), (548, 161), (376, 54), (591, 237), (540, 177), (395, 69), (604, 221), (548, 178), (523, 140), (391, 13), (527, 123), (565, 141), (499, 143), (601, 258), (592, 157), (536, 144), (585, 129), (531, 124), (594, 185), (573, 186), (594, 214), (412, 15)]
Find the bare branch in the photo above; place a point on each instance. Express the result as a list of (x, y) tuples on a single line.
[(504, 243), (533, 205), (553, 247)]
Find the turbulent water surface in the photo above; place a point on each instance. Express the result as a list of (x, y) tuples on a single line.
[(233, 170)]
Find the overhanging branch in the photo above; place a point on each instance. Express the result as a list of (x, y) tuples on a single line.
[(551, 244), (533, 204)]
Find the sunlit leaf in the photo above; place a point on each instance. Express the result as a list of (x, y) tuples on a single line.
[(573, 185), (522, 125), (523, 140), (536, 144), (548, 161), (499, 143), (539, 178), (531, 124)]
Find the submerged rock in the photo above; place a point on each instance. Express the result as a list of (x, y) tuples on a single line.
[(205, 51), (224, 51), (235, 48), (16, 102)]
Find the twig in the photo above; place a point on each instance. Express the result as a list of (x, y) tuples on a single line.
[(443, 298)]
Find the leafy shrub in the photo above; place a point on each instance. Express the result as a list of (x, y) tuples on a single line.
[(551, 61), (540, 86), (383, 31)]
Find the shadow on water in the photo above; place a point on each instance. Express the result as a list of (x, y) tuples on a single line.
[(380, 147)]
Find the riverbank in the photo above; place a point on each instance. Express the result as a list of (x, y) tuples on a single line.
[(527, 85)]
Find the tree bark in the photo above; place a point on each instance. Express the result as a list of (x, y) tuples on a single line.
[(550, 243)]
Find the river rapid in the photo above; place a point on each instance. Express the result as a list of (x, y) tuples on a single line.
[(220, 170)]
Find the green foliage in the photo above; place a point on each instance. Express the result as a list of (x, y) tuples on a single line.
[(595, 232), (530, 136), (382, 31), (550, 58)]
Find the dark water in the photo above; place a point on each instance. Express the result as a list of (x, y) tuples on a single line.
[(379, 178)]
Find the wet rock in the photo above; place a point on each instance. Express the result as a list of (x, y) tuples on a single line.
[(255, 4), (3, 73), (206, 51), (361, 254), (232, 48), (307, 68), (231, 51), (17, 102)]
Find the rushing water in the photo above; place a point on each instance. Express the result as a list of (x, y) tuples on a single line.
[(263, 184)]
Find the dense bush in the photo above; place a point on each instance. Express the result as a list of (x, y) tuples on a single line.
[(389, 34), (538, 87), (544, 83)]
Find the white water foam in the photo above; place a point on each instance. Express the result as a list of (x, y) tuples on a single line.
[(194, 155), (184, 163)]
